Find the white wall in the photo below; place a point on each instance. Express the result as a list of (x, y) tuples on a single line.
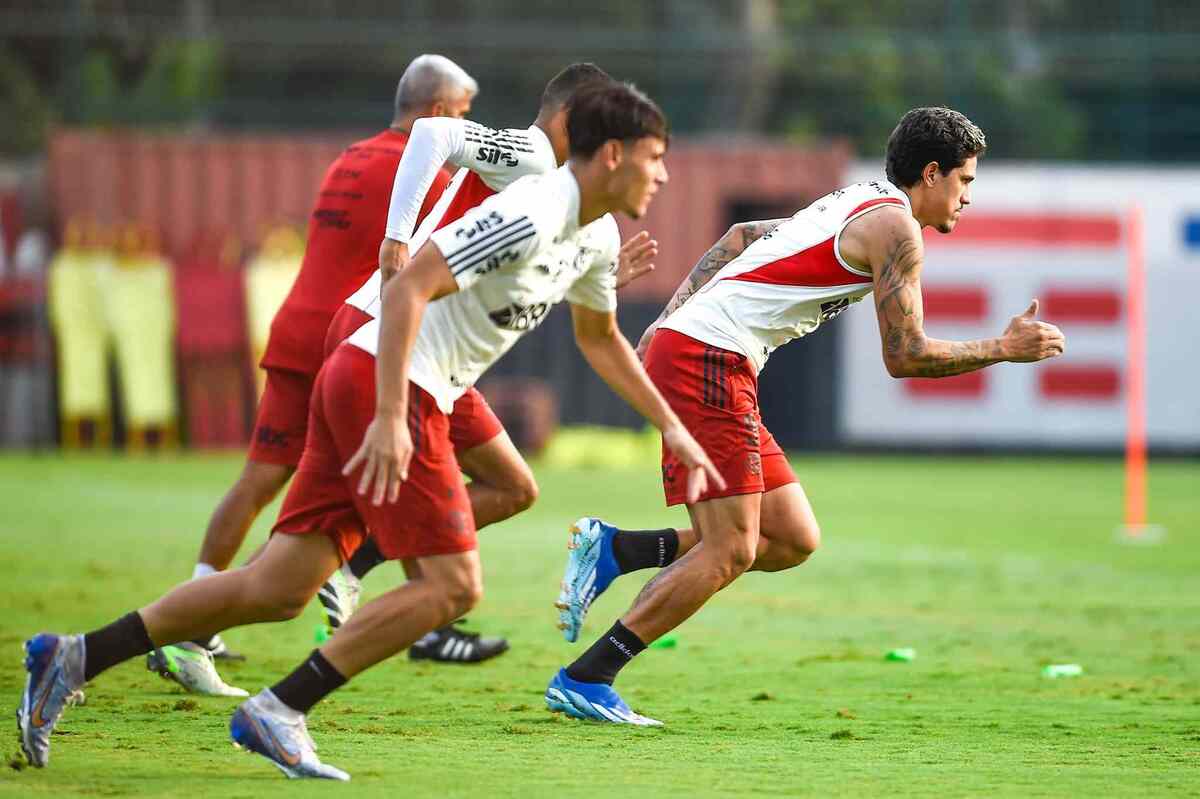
[(1011, 409)]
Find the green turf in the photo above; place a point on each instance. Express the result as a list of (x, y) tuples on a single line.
[(988, 568)]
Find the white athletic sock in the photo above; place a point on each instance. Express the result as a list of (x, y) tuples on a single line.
[(202, 570)]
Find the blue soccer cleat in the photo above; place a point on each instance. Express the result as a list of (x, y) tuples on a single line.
[(591, 700), (265, 726), (55, 674), (591, 568)]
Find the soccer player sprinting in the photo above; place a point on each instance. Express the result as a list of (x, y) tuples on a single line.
[(489, 161), (378, 456), (705, 357), (347, 223)]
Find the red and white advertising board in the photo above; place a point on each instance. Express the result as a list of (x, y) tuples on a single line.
[(1057, 234)]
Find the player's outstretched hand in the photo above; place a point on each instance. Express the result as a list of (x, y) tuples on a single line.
[(636, 258), (1029, 340), (384, 455), (700, 468)]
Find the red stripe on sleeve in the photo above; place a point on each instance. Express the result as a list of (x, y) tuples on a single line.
[(873, 203)]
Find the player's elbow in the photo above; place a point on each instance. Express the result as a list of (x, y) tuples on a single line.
[(897, 366)]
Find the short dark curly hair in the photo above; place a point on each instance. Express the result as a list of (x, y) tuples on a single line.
[(931, 134), (597, 112)]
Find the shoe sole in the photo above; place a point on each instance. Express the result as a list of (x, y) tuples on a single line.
[(558, 702), (23, 715), (570, 606)]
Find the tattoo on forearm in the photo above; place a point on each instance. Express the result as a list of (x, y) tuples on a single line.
[(898, 302)]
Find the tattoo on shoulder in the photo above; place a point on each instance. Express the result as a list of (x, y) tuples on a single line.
[(753, 231)]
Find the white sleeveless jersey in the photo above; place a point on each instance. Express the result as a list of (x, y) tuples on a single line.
[(788, 282), (513, 257), (490, 161)]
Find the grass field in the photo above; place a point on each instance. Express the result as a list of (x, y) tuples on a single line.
[(989, 568)]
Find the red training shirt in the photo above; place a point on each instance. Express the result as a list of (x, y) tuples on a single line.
[(342, 251)]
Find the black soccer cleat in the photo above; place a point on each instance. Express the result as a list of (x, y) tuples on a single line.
[(453, 645)]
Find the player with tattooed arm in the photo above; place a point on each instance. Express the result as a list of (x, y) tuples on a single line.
[(705, 354)]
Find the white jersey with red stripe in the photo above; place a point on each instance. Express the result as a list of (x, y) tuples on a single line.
[(788, 282), (490, 161)]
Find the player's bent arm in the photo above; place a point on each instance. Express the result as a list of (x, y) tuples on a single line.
[(891, 240), (431, 142), (609, 354), (728, 247), (387, 445)]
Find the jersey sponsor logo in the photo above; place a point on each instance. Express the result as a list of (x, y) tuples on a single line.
[(489, 243), (520, 317), (270, 437), (489, 222), (832, 308), (331, 218), (510, 140), (495, 261), (347, 174), (494, 155)]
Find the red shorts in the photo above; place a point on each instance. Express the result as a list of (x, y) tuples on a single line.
[(715, 394), (432, 515), (282, 421), (473, 421)]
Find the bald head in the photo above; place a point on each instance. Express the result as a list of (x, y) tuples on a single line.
[(430, 80)]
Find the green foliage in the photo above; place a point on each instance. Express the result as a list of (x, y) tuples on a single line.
[(988, 568), (25, 111), (178, 83)]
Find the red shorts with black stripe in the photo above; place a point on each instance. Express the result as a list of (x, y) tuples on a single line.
[(281, 423), (432, 515), (715, 394), (473, 421)]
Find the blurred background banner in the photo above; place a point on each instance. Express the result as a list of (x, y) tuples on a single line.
[(206, 125)]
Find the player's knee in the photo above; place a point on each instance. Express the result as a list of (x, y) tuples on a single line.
[(261, 482), (802, 546), (523, 494), (276, 602), (461, 591), (810, 541), (736, 558)]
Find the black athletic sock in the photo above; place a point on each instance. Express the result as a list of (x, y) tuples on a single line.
[(365, 558), (125, 638), (643, 549), (312, 681), (607, 656)]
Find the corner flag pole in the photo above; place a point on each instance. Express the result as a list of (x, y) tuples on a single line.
[(1135, 378)]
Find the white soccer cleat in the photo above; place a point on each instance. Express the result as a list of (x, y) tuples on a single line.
[(191, 665), (267, 727)]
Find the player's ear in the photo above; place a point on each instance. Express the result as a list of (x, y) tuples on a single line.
[(930, 172), (438, 109), (613, 151)]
